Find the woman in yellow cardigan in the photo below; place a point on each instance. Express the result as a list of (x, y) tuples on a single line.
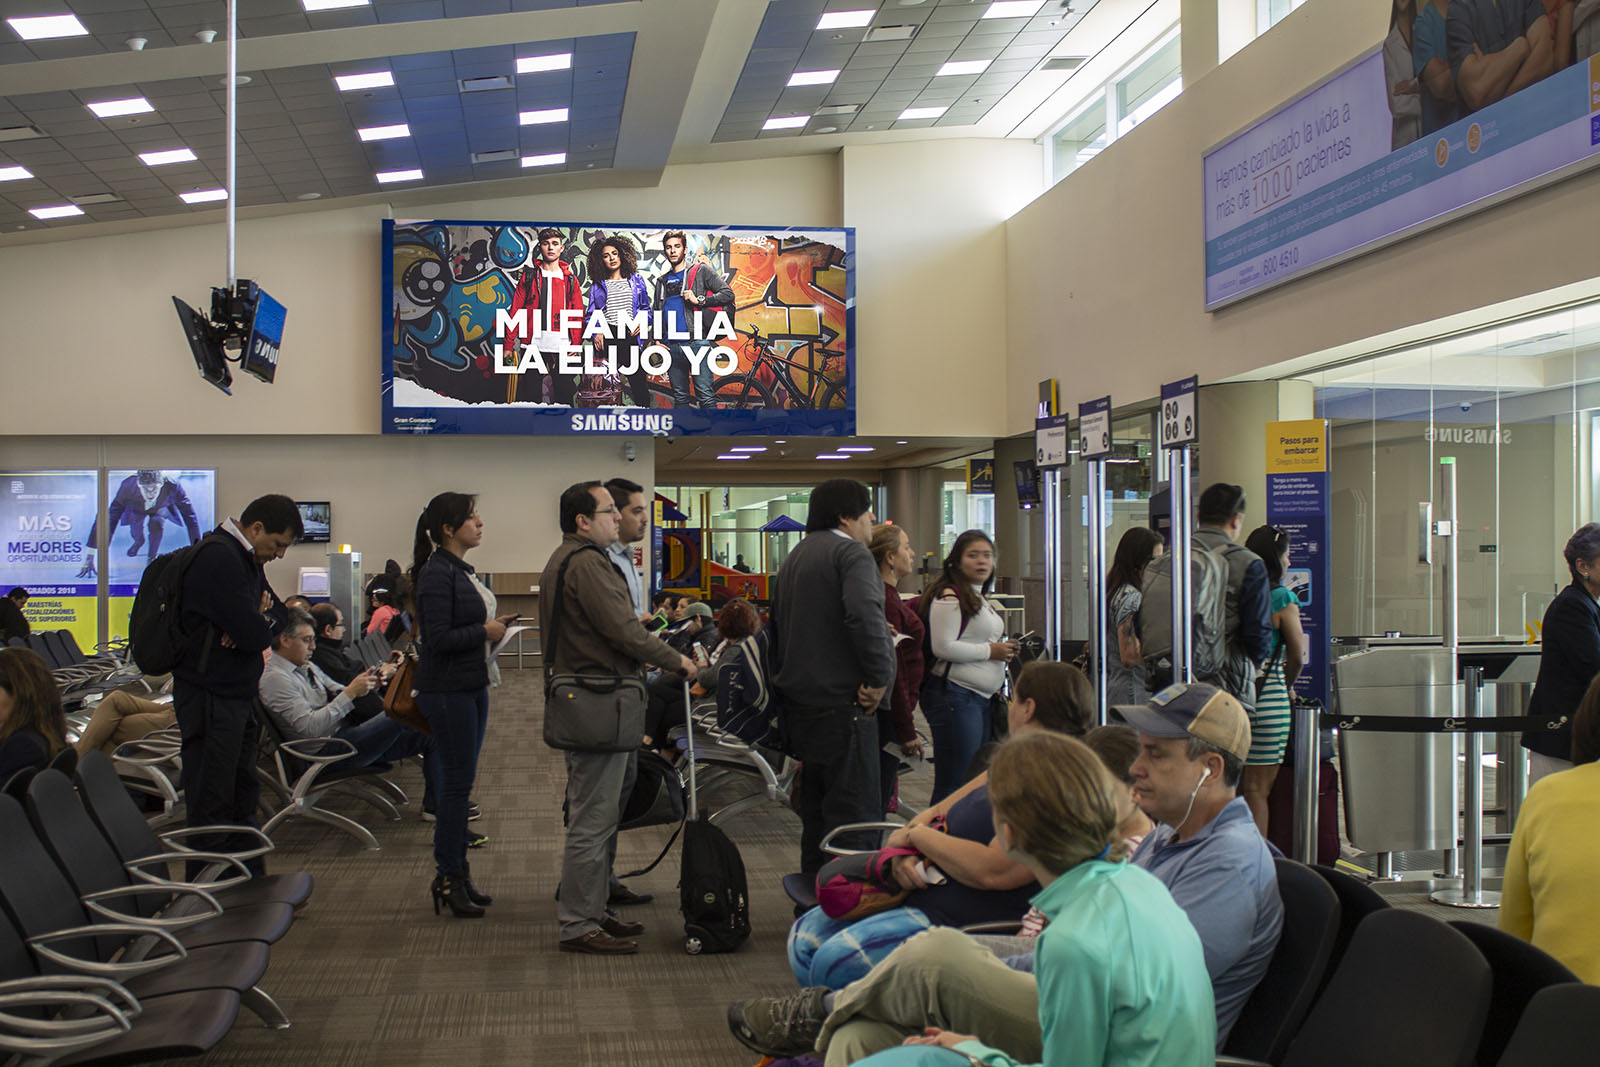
[(1553, 871)]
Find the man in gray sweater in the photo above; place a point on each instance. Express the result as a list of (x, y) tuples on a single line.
[(835, 661)]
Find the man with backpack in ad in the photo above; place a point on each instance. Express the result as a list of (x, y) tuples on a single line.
[(206, 613), (689, 296), (1232, 627)]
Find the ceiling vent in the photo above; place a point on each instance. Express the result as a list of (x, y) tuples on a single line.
[(1064, 63), (485, 85), (879, 34), (497, 156), (838, 109), (95, 198), (20, 133)]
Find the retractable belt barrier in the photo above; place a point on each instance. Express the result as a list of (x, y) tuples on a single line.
[(1458, 724)]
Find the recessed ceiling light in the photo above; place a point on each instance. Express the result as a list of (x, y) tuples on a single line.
[(384, 133), (387, 176), (855, 448), (902, 442), (110, 109), (748, 448), (539, 118), (827, 129), (61, 212), (731, 455), (44, 27), (309, 196), (963, 66), (550, 159), (331, 5), (786, 122), (203, 196), (535, 64), (170, 155), (832, 455), (912, 113), (14, 174), (378, 79), (779, 441), (813, 77), (1013, 9), (844, 20)]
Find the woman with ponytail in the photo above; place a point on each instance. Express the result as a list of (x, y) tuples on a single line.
[(1121, 976), (457, 630)]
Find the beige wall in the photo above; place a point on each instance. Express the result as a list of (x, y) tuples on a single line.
[(378, 485), (931, 280), (1105, 271)]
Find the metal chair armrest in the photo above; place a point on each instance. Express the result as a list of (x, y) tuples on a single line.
[(854, 827), (173, 839), (95, 902), (40, 945), (136, 868), (299, 750)]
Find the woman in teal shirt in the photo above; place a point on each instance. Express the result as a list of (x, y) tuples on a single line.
[(1122, 978)]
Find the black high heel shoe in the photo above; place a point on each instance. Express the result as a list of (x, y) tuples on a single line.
[(452, 893), (482, 899)]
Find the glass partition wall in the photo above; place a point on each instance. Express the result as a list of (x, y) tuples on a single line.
[(1516, 406)]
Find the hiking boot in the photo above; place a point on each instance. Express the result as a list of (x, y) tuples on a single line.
[(780, 1026)]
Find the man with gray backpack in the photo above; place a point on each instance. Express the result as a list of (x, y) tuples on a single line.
[(1232, 627)]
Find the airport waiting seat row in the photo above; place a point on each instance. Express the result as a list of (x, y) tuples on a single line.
[(104, 959), (77, 674), (1356, 980)]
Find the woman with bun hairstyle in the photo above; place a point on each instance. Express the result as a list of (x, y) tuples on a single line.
[(457, 632)]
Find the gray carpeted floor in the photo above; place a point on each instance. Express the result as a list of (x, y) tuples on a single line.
[(369, 975)]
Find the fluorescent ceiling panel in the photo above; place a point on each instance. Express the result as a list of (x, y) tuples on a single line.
[(110, 109), (813, 77), (786, 122), (44, 27), (911, 113), (386, 176), (61, 212), (14, 174), (536, 64), (203, 196), (384, 133), (541, 117), (550, 159), (844, 20), (963, 66), (170, 155), (378, 79), (1013, 9), (331, 5)]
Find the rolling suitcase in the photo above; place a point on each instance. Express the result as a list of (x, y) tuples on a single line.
[(712, 891)]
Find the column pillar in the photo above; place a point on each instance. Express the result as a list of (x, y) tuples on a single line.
[(1233, 435)]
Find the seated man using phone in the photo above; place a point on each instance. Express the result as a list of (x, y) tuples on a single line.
[(305, 702)]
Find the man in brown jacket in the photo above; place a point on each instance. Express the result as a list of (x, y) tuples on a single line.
[(599, 634)]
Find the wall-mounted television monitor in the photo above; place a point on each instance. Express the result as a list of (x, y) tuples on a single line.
[(316, 516), (1027, 475)]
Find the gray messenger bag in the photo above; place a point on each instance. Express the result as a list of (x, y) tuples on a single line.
[(589, 712)]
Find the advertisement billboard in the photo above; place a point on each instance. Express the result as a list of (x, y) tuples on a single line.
[(47, 517), (1464, 105), (580, 328), (148, 512)]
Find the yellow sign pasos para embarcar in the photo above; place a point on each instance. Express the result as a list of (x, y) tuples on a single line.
[(1297, 447)]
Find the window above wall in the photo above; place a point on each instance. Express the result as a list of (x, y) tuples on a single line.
[(1270, 12), (1151, 81)]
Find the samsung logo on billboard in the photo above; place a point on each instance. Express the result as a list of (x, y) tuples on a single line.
[(1466, 435)]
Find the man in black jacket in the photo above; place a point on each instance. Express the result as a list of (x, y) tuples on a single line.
[(13, 623), (229, 615), (835, 662), (1570, 656), (332, 657)]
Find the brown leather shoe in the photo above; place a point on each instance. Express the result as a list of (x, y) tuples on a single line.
[(617, 926), (599, 943)]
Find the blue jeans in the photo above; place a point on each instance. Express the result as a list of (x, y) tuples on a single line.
[(383, 740), (834, 953), (958, 718), (678, 374), (458, 721)]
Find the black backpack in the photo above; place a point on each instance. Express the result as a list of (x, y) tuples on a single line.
[(155, 636), (712, 891)]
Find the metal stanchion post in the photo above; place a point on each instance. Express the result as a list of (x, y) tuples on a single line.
[(1306, 767), (1099, 641), (1447, 529), (1471, 894)]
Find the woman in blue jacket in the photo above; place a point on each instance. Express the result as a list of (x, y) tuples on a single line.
[(618, 290), (455, 668)]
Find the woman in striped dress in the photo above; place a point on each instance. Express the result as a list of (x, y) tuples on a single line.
[(1269, 722)]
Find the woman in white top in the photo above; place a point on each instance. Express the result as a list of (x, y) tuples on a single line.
[(968, 662)]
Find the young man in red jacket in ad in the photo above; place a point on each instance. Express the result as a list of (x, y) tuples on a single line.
[(546, 289)]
